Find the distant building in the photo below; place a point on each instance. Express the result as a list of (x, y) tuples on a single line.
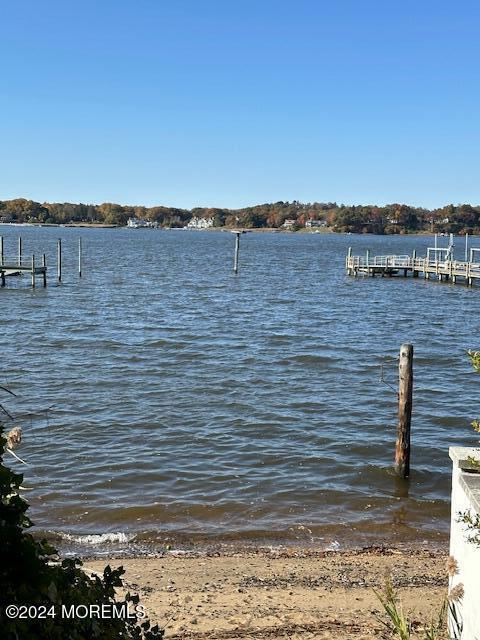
[(310, 224), (138, 223), (289, 223), (199, 223)]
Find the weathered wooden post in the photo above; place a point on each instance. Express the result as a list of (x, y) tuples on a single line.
[(414, 257), (237, 251), (44, 265), (33, 271), (405, 393), (79, 257), (19, 252), (59, 260), (349, 259), (2, 278), (1, 250)]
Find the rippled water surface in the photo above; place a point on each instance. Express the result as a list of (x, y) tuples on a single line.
[(189, 403)]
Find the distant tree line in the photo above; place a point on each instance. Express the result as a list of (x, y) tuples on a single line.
[(392, 218)]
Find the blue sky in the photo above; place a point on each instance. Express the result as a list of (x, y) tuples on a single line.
[(230, 103)]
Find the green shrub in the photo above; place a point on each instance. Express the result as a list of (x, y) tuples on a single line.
[(32, 575)]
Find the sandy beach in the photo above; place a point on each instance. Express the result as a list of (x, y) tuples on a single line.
[(287, 593)]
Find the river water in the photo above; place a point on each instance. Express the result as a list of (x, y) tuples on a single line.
[(163, 398)]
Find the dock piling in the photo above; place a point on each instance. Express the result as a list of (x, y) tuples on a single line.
[(405, 394), (237, 251), (20, 250), (33, 271), (44, 265), (79, 257), (1, 250), (59, 260)]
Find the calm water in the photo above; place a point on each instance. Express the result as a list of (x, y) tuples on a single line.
[(189, 404)]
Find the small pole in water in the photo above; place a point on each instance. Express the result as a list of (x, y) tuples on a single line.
[(79, 257), (19, 252), (59, 260), (405, 393), (44, 265), (33, 271), (466, 247), (1, 250), (237, 250)]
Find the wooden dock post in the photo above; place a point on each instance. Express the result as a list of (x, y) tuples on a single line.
[(79, 257), (44, 265), (237, 251), (405, 393), (349, 256), (20, 252), (59, 260), (33, 271), (2, 278), (414, 257), (1, 250)]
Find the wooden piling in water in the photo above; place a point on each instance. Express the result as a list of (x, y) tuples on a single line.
[(237, 251), (59, 260), (79, 257), (405, 394), (44, 265), (33, 271), (349, 255), (20, 250)]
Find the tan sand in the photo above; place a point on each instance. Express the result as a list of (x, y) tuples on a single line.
[(288, 594)]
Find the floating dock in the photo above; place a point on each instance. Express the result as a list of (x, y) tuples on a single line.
[(439, 262)]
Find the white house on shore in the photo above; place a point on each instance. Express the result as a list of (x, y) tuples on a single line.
[(310, 224), (138, 223), (199, 223)]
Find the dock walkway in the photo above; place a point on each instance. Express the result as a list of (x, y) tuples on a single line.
[(18, 267), (405, 265)]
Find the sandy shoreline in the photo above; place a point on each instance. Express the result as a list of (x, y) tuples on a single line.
[(287, 593)]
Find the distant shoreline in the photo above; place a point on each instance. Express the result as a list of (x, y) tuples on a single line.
[(322, 231)]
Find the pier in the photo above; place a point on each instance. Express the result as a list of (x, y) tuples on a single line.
[(439, 263), (19, 264), (17, 268)]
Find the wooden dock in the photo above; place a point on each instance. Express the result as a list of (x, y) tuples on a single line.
[(19, 267), (391, 265)]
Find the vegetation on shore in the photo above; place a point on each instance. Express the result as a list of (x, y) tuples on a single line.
[(43, 597), (392, 218)]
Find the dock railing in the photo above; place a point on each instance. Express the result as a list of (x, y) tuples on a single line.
[(444, 269)]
